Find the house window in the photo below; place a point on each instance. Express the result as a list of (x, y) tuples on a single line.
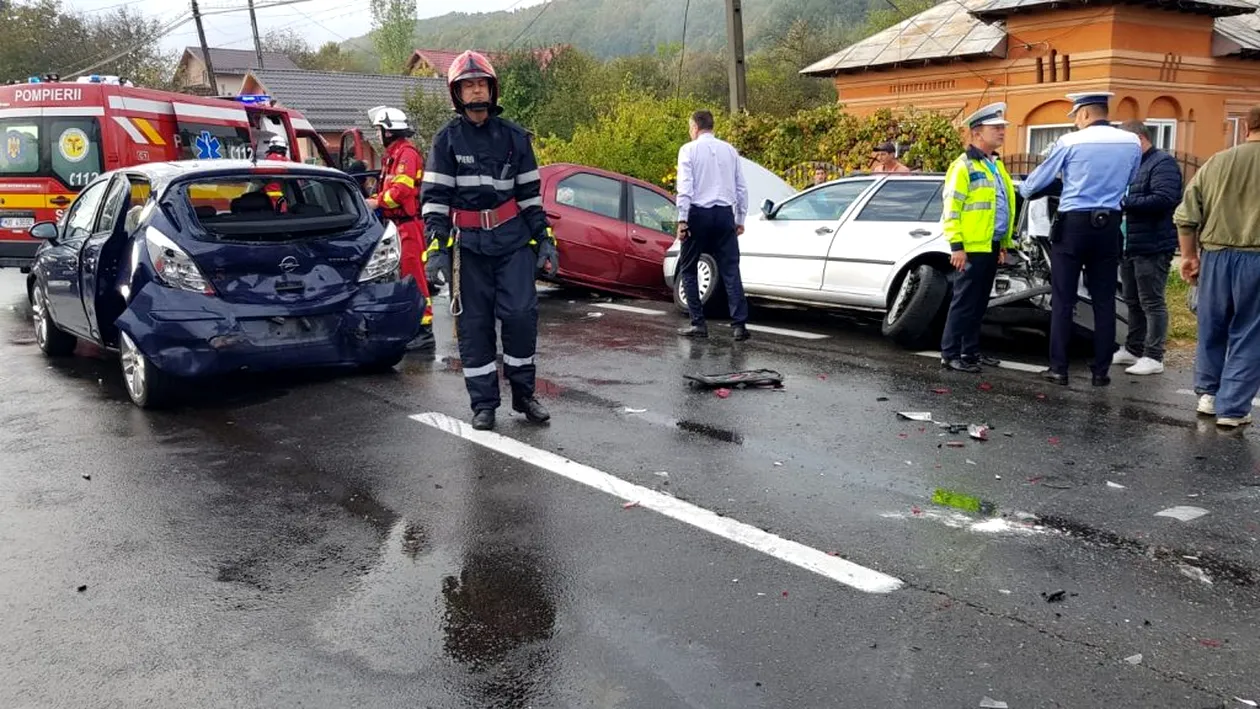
[(1042, 137), (1235, 131)]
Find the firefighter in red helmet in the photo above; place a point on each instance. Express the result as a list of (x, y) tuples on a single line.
[(398, 199), (483, 184)]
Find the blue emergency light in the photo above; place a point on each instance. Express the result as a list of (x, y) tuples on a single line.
[(253, 98)]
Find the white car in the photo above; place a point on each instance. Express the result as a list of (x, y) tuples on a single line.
[(870, 242)]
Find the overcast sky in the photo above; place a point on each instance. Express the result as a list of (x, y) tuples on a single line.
[(318, 20)]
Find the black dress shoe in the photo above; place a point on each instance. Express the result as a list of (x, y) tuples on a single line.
[(739, 333), (483, 420), (424, 342), (534, 411), (693, 331), (958, 365), (1059, 378), (1100, 380), (986, 360)]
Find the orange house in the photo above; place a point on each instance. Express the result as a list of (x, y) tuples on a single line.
[(1188, 68)]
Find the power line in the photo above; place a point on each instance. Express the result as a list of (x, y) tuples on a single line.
[(182, 19), (682, 53), (531, 23)]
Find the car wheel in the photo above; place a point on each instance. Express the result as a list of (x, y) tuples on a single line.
[(54, 341), (709, 283), (912, 317), (147, 386)]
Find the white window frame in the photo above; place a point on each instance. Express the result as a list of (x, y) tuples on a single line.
[(1237, 130), (1158, 124)]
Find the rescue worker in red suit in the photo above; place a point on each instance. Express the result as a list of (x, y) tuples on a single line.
[(483, 181), (398, 199), (277, 149)]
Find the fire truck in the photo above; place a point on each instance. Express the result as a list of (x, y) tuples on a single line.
[(59, 135)]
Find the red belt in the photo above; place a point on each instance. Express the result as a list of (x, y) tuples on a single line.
[(485, 218)]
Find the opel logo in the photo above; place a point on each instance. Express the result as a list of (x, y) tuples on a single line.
[(288, 264)]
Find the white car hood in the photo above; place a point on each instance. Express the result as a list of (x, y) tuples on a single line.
[(763, 185)]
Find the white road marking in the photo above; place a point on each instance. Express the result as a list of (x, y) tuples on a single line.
[(629, 309), (1016, 366), (789, 333), (795, 553), (1190, 392)]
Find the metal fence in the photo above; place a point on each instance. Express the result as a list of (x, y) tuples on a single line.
[(1020, 164)]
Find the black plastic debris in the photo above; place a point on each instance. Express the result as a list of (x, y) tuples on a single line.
[(86, 476), (882, 398), (82, 588), (1054, 596), (752, 378)]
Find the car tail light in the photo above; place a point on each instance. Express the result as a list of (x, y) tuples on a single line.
[(386, 259), (173, 266)]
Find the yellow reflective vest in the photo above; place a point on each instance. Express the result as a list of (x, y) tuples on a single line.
[(969, 216)]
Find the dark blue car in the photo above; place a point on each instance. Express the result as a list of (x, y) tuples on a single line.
[(191, 269)]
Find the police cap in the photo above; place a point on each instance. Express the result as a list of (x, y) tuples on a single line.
[(1089, 98), (993, 114)]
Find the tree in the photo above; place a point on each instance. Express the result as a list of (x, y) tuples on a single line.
[(427, 113), (393, 31), (328, 57), (522, 87), (775, 85)]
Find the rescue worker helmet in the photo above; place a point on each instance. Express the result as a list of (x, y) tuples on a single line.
[(392, 123), (473, 65), (275, 143)]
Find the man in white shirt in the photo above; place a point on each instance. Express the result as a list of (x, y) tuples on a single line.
[(712, 204)]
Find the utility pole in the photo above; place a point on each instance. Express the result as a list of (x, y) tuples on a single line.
[(735, 43), (205, 50), (253, 22)]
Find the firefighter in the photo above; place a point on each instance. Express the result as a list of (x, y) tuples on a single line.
[(276, 148), (483, 207), (398, 199)]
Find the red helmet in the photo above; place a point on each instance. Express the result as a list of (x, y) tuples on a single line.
[(472, 65)]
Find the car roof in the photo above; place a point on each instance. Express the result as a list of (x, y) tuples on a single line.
[(561, 166)]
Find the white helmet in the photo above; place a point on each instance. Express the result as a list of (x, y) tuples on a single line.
[(273, 142), (390, 119)]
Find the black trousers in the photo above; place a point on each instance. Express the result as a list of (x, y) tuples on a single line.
[(972, 288), (712, 231), (1088, 240), (498, 288)]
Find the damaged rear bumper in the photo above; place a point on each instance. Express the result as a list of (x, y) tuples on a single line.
[(192, 335)]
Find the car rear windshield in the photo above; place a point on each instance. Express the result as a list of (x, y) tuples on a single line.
[(273, 207)]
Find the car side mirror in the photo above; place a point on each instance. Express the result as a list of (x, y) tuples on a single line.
[(767, 208), (45, 231)]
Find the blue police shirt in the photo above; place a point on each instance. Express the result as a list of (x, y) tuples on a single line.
[(1097, 164), (1002, 218)]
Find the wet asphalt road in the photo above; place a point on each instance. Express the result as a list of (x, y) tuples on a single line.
[(299, 541)]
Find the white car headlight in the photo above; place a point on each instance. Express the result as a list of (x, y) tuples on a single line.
[(173, 266), (386, 259)]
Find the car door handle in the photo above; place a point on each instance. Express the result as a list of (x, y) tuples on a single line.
[(637, 239), (823, 230), (59, 201), (552, 216), (920, 233)]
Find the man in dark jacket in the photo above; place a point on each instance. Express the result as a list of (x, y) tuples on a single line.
[(1150, 241)]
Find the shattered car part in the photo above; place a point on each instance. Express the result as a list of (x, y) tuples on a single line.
[(737, 380), (915, 415), (1183, 513)]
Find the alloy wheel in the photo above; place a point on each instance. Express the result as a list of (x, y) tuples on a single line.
[(39, 308), (135, 368)]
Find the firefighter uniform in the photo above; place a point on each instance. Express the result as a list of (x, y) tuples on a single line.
[(1091, 170), (978, 219), (277, 151), (398, 198), (483, 184)]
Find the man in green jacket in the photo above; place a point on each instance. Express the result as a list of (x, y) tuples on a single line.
[(978, 219)]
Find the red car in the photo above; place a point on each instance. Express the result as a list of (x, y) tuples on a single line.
[(612, 231)]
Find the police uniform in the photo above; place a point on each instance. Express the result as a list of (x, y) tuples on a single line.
[(978, 219), (483, 184), (1091, 170)]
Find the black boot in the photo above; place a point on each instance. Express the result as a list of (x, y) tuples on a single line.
[(958, 365), (1060, 378), (739, 332), (534, 411), (424, 342), (694, 331), (1100, 380), (483, 420)]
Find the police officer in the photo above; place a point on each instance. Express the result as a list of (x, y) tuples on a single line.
[(483, 181), (1090, 169), (978, 221), (398, 199)]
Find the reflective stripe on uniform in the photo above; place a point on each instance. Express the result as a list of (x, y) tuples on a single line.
[(511, 361), (532, 202), (484, 181), (958, 197), (437, 178), (954, 215), (470, 372), (974, 206), (404, 180), (527, 177), (388, 200), (435, 208)]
